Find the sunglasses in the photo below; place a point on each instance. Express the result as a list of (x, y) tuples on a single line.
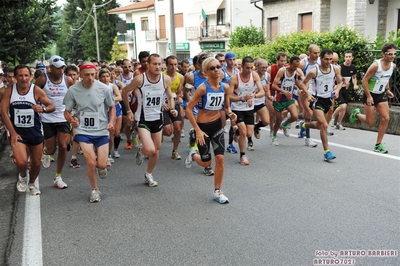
[(214, 67), (58, 59), (221, 61), (390, 54), (127, 66), (204, 57), (263, 67)]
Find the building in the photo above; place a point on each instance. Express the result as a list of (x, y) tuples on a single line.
[(369, 17), (148, 25)]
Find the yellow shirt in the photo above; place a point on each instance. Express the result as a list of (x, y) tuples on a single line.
[(175, 83)]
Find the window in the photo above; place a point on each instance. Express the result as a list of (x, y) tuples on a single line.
[(273, 28), (221, 16), (145, 23), (398, 23), (306, 22), (179, 20)]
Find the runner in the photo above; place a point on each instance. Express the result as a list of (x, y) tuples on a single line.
[(323, 76), (176, 89), (244, 87), (57, 131), (376, 94), (94, 101), (149, 89), (208, 125), (21, 102)]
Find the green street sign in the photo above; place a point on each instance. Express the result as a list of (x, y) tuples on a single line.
[(131, 26), (212, 46), (180, 46)]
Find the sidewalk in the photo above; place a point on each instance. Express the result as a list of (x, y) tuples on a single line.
[(8, 199)]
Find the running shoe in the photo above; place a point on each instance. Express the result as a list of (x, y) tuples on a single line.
[(33, 190), (329, 132), (108, 162), (95, 196), (250, 146), (148, 179), (220, 197), (302, 132), (189, 158), (274, 141), (380, 148), (52, 159), (231, 149), (353, 117), (139, 157), (116, 154), (244, 160), (59, 183), (340, 127), (297, 124), (46, 162), (208, 171), (74, 164), (175, 155), (21, 184), (128, 145), (135, 142), (102, 173), (257, 133), (310, 143), (329, 156), (183, 133), (285, 130), (111, 159), (192, 137), (80, 152), (332, 122)]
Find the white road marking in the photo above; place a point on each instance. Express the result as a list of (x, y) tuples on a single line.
[(32, 241)]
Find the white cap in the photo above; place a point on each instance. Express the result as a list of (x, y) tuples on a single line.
[(56, 61)]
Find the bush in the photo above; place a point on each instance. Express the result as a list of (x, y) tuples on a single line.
[(243, 36)]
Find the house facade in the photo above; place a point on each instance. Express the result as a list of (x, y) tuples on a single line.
[(152, 29), (369, 17)]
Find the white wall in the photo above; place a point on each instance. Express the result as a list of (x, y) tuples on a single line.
[(393, 11), (243, 12), (338, 13), (371, 25)]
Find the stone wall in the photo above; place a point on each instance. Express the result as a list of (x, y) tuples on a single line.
[(356, 14), (394, 123), (382, 17)]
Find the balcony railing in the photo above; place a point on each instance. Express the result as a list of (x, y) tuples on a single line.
[(208, 32), (123, 38)]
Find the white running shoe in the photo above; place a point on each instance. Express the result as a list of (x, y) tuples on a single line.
[(274, 141), (102, 173), (59, 183), (139, 157), (46, 161), (310, 143), (340, 127), (220, 197), (116, 154), (95, 196), (189, 158), (34, 190), (332, 122), (21, 184), (148, 179)]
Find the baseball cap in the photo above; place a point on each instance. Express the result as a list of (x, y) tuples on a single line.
[(40, 66), (56, 61), (229, 55)]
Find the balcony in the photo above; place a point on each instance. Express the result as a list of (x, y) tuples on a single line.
[(157, 35), (125, 38), (209, 32)]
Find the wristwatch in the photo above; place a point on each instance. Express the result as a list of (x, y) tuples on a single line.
[(44, 109)]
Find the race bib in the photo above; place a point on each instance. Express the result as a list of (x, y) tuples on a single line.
[(153, 100), (214, 101), (89, 121), (24, 117)]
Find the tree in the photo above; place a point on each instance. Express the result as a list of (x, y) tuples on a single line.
[(243, 36), (81, 44), (118, 51), (27, 29)]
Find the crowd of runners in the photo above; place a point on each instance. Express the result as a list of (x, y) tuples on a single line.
[(85, 109)]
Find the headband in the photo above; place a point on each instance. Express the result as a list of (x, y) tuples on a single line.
[(87, 66)]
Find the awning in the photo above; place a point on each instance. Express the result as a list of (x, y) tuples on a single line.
[(209, 6)]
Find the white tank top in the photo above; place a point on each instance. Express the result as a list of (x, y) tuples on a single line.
[(307, 68), (243, 89), (126, 81), (264, 81), (56, 93), (325, 82), (150, 100), (377, 84)]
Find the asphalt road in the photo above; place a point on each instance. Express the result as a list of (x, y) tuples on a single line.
[(288, 207)]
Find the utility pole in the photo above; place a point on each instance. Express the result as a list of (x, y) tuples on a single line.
[(172, 27)]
